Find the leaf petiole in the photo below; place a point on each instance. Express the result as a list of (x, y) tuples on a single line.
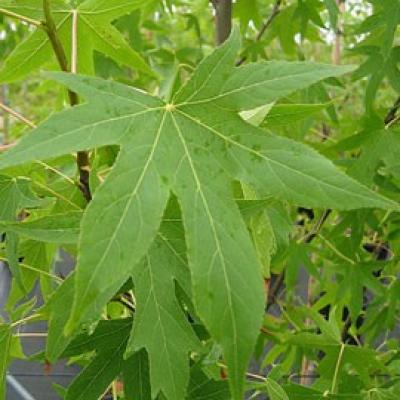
[(28, 20)]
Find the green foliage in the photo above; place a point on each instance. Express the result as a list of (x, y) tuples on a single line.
[(94, 31), (204, 206)]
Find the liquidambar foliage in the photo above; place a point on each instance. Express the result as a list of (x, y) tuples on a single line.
[(232, 212)]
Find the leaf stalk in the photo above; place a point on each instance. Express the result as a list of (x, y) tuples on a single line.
[(28, 20), (83, 161), (17, 115)]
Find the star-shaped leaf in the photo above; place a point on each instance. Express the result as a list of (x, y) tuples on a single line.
[(94, 32), (195, 147)]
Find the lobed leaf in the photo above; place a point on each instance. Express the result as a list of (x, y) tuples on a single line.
[(194, 148)]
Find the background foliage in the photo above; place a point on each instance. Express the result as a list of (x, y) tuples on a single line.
[(242, 237)]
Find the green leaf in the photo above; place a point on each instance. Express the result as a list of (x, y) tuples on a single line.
[(257, 115), (297, 392), (333, 11), (286, 114), (275, 391), (262, 234), (160, 325), (202, 387), (58, 315), (137, 377), (374, 152), (94, 33), (195, 149), (108, 341), (34, 266), (247, 10), (5, 343), (252, 85), (363, 360), (55, 228), (15, 194)]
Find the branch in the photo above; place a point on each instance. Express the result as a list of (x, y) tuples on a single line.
[(275, 11), (223, 19), (337, 45), (5, 147), (51, 29), (28, 20), (310, 236), (391, 115), (17, 115)]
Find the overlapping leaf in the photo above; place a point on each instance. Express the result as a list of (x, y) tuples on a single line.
[(55, 228), (202, 387), (379, 30), (160, 325), (15, 194), (94, 32), (195, 148), (109, 342)]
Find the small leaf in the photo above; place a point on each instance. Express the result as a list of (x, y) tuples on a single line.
[(202, 387), (55, 228), (15, 194), (285, 114), (275, 391), (137, 377), (333, 11), (109, 341), (58, 315)]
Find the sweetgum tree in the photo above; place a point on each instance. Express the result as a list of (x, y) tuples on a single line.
[(226, 176)]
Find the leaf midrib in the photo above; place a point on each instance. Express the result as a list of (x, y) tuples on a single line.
[(128, 204), (216, 239), (165, 339), (261, 155), (114, 355), (82, 127), (244, 88), (104, 11)]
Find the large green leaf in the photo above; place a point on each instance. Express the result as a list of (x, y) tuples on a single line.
[(94, 32), (195, 148)]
